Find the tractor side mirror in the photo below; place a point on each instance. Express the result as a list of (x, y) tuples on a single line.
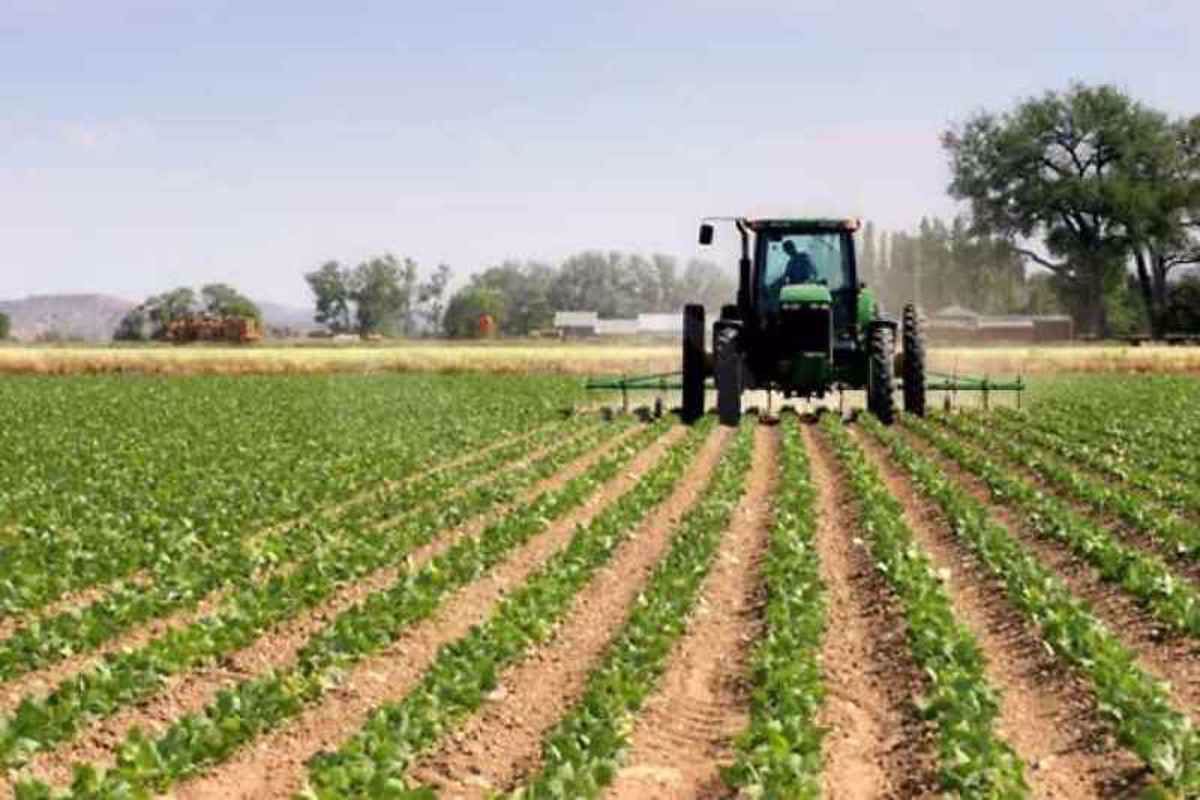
[(706, 234)]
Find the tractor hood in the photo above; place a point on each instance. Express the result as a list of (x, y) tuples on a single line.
[(806, 293)]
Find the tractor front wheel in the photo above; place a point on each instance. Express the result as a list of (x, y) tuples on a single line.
[(881, 386), (729, 375), (693, 363), (914, 362)]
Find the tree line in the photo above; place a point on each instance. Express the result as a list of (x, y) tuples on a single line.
[(387, 296)]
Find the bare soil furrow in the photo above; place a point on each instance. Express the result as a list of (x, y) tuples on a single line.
[(503, 741), (684, 733), (192, 691), (877, 745), (274, 765), (1047, 713), (1161, 653)]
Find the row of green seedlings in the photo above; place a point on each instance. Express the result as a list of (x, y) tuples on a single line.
[(1180, 497), (1152, 444), (1134, 703), (1133, 508), (240, 714), (466, 670), (123, 678), (86, 553), (1144, 575), (581, 753), (974, 760), (182, 585), (779, 754)]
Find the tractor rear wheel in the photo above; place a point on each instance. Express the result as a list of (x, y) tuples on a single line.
[(914, 362), (881, 385), (693, 363), (729, 375)]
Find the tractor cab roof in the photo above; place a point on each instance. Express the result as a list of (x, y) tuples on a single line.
[(802, 225)]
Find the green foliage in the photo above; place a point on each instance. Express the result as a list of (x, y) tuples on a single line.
[(1176, 603), (616, 285), (222, 300), (581, 753), (381, 289), (151, 318), (975, 761), (467, 306), (263, 702), (330, 285), (466, 670), (779, 755), (1135, 704), (1182, 313), (5, 326), (381, 292), (1086, 173)]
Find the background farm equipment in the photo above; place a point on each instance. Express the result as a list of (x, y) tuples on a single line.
[(206, 328)]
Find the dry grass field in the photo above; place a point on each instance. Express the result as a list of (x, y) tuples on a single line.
[(570, 358)]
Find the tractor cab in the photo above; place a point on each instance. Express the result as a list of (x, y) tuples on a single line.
[(806, 285), (802, 325)]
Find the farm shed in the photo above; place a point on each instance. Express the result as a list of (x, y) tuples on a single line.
[(575, 324)]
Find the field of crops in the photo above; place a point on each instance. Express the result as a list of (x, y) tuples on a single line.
[(411, 586)]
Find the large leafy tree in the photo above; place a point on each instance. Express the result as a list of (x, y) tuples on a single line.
[(524, 287), (378, 288), (330, 285), (431, 298), (467, 306), (1054, 175), (222, 300), (1164, 213)]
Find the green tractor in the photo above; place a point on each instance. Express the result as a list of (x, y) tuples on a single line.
[(803, 325)]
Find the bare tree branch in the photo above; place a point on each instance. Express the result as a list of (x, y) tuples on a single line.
[(1060, 267)]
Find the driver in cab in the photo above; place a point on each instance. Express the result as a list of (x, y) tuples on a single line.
[(799, 268)]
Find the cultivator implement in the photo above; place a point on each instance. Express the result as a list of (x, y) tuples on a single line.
[(950, 384)]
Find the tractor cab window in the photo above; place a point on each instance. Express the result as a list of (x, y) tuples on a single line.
[(801, 258)]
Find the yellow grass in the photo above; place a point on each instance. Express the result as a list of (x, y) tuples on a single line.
[(587, 358)]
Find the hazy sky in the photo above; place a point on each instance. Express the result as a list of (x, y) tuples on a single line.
[(149, 144)]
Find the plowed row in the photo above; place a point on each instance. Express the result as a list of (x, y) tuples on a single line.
[(979, 604)]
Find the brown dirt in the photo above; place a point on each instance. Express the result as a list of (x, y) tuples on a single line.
[(194, 690), (503, 741), (877, 745), (1046, 713), (274, 764), (1161, 653), (684, 733)]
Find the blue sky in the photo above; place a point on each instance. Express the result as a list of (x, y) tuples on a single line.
[(149, 144)]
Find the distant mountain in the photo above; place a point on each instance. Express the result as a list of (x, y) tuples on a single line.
[(94, 317)]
